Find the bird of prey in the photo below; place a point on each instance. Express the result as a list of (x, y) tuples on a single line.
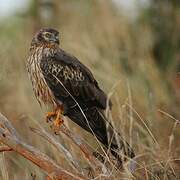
[(68, 86)]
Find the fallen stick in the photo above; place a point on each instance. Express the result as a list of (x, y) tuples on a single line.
[(11, 138)]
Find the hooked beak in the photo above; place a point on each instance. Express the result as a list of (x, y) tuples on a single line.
[(56, 39)]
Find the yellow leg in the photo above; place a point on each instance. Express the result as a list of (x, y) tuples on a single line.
[(50, 115), (55, 116), (58, 121)]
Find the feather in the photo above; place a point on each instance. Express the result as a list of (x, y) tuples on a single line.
[(73, 84), (75, 77)]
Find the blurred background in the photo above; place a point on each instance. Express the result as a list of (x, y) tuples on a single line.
[(133, 49)]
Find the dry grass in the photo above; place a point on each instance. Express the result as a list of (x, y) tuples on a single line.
[(119, 53)]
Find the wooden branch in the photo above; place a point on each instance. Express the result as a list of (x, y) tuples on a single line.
[(5, 148), (10, 137), (59, 147), (97, 166)]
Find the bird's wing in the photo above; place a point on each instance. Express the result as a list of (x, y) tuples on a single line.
[(67, 76)]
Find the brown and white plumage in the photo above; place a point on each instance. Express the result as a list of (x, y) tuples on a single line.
[(59, 78), (40, 87)]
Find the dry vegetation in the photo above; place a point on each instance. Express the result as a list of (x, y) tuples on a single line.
[(120, 53)]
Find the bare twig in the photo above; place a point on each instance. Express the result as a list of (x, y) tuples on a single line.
[(5, 148), (59, 147), (10, 137), (85, 148)]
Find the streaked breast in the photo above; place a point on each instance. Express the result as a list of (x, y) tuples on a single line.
[(41, 90)]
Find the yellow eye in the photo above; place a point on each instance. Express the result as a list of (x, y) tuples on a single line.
[(47, 34)]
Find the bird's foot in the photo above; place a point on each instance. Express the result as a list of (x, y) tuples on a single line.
[(50, 116), (58, 122), (56, 125), (56, 119)]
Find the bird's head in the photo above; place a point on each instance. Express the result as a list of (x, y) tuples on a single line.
[(46, 36)]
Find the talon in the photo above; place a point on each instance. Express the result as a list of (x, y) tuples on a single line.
[(58, 122), (56, 133), (56, 125), (50, 115)]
